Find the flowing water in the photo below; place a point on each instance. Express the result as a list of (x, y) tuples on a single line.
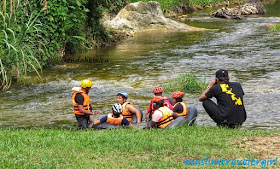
[(245, 48)]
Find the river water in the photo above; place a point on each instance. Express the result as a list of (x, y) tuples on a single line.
[(245, 48)]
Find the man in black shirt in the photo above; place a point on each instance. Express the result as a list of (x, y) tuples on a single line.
[(230, 111)]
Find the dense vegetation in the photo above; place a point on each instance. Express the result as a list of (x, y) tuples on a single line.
[(35, 32), (175, 4), (123, 148)]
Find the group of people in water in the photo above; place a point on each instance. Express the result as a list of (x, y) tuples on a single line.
[(229, 110)]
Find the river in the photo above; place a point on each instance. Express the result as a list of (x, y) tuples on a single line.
[(245, 48)]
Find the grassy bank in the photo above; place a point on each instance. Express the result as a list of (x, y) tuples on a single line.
[(46, 148)]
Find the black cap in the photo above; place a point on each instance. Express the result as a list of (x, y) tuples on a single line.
[(222, 75)]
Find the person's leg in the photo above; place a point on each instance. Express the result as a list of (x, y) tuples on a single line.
[(83, 121), (212, 109)]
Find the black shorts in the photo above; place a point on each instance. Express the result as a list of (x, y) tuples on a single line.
[(83, 120)]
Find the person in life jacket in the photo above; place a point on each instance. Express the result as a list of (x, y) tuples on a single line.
[(114, 118), (162, 115), (128, 108), (180, 107), (82, 105), (158, 92)]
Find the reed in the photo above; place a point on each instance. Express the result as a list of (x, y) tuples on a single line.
[(21, 46)]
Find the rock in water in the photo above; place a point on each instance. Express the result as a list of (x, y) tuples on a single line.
[(251, 8), (141, 16)]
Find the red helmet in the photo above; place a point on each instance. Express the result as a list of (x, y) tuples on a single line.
[(178, 95), (158, 89), (157, 99)]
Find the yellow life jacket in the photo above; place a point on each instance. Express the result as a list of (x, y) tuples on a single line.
[(113, 120), (166, 117), (185, 110), (126, 114), (86, 103)]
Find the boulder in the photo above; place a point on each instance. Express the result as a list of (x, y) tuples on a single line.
[(141, 16), (251, 8)]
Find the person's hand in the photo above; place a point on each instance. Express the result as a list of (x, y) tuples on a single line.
[(147, 117), (97, 112), (212, 83)]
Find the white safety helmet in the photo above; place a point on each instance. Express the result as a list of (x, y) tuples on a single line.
[(117, 109)]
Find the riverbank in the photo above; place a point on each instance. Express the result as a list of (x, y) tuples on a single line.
[(132, 148)]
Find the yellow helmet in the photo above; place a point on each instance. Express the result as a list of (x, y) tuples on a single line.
[(86, 83)]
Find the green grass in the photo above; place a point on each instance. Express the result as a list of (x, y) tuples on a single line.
[(123, 148), (185, 83)]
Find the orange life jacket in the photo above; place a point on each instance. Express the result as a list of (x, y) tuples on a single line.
[(86, 103), (185, 110), (126, 114), (114, 120), (166, 117)]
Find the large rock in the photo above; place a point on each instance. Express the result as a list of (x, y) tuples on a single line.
[(251, 8), (140, 16)]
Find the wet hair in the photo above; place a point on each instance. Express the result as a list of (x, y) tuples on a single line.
[(116, 115), (178, 99), (125, 98), (160, 103)]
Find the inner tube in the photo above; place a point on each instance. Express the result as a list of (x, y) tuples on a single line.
[(134, 118), (181, 121), (108, 126), (113, 126), (191, 117)]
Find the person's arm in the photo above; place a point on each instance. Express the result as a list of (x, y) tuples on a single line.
[(174, 115), (210, 85), (95, 122), (169, 105), (97, 112), (102, 120), (149, 111), (81, 109), (132, 109)]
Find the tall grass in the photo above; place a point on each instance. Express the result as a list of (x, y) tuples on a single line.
[(21, 46), (187, 83)]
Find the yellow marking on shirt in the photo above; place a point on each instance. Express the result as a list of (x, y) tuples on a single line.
[(225, 89)]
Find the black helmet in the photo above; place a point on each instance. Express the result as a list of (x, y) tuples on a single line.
[(117, 109)]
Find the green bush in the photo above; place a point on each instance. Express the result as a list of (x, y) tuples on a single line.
[(275, 28), (31, 38), (185, 83), (22, 48)]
